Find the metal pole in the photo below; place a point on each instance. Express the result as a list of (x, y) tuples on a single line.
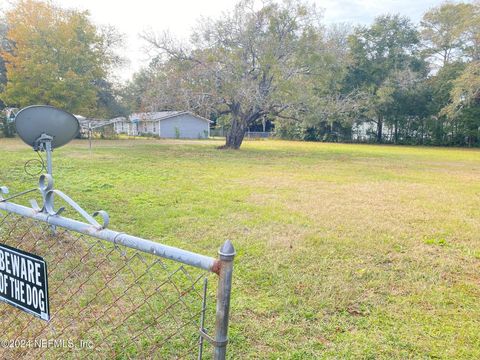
[(90, 136), (133, 242), (227, 254), (202, 319), (48, 150)]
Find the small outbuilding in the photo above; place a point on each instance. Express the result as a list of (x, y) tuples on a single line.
[(165, 124)]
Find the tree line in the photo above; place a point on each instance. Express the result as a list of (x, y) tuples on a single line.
[(272, 63)]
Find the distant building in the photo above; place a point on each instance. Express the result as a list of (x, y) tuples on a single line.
[(367, 131), (97, 126), (10, 113), (165, 124)]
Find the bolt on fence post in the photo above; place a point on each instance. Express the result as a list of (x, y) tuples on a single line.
[(227, 253)]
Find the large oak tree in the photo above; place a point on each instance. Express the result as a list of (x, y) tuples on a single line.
[(246, 65)]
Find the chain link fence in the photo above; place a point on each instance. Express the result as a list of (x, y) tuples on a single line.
[(98, 293), (108, 300)]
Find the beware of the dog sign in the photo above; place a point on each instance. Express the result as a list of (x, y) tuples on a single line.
[(23, 281)]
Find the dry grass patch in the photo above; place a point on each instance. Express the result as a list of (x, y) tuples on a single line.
[(344, 251)]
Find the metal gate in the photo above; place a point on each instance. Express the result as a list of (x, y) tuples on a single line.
[(112, 295)]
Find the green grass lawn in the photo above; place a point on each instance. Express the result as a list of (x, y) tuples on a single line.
[(344, 251)]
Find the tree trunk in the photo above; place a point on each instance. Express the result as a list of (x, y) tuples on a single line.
[(236, 133), (379, 130)]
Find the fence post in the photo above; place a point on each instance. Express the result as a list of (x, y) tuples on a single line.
[(227, 253)]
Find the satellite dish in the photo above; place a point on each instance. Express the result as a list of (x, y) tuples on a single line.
[(38, 123)]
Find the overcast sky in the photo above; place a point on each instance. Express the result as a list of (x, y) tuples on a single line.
[(178, 16)]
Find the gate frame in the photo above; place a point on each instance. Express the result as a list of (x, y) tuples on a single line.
[(223, 266)]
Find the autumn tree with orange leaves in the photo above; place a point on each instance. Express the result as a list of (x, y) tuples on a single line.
[(57, 57)]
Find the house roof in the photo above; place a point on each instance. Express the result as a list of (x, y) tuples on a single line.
[(163, 115), (149, 116)]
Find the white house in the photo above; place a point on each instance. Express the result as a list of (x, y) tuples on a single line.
[(166, 124), (366, 131)]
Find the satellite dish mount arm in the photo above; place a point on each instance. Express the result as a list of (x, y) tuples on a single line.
[(44, 143)]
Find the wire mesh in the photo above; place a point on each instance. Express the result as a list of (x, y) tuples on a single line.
[(106, 301)]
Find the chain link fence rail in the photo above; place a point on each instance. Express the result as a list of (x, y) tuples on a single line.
[(113, 295)]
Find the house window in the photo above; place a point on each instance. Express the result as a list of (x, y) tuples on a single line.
[(154, 128)]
